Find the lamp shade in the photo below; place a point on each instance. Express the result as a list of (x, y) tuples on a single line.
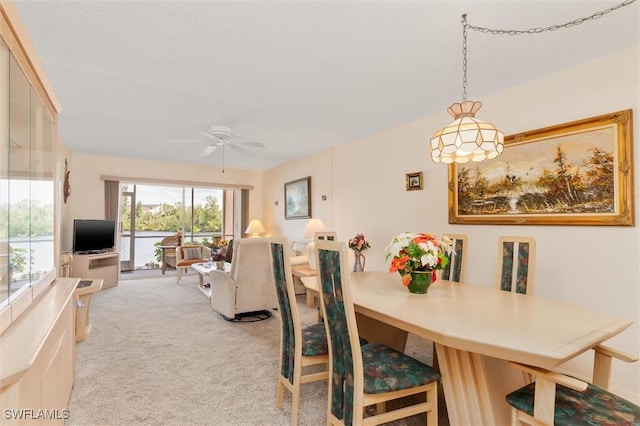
[(313, 226), (467, 138), (255, 227)]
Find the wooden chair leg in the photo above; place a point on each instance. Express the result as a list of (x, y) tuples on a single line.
[(295, 406), (279, 395)]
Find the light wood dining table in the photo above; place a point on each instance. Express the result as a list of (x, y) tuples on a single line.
[(476, 330)]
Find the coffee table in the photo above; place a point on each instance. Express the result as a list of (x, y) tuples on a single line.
[(203, 269)]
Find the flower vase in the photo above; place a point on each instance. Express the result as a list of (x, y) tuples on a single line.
[(420, 282), (360, 260)]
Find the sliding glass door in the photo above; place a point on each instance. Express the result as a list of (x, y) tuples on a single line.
[(150, 213)]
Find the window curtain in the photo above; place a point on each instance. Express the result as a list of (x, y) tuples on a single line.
[(112, 205), (244, 210)]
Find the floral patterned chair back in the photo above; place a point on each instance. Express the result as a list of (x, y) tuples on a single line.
[(364, 374), (326, 235), (516, 264), (454, 271), (299, 347)]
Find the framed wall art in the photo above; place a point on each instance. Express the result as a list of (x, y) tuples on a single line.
[(414, 181), (577, 173), (297, 196)]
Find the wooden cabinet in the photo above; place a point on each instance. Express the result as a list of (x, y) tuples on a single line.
[(103, 266), (37, 352)]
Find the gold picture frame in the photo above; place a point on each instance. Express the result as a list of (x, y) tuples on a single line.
[(297, 198), (414, 181), (576, 173)]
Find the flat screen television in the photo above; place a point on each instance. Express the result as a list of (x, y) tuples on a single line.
[(93, 235)]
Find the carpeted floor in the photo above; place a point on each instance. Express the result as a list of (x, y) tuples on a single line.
[(158, 354)]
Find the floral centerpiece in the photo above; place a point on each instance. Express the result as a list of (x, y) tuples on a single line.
[(359, 244), (418, 252), (220, 248)]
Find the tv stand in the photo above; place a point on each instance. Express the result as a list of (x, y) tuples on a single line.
[(103, 266)]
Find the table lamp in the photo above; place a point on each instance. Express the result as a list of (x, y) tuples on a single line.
[(255, 228), (313, 226)]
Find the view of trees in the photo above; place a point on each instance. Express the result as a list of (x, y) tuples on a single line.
[(27, 218), (587, 187), (206, 217)]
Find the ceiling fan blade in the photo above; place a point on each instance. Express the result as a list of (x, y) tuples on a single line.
[(208, 135), (235, 147), (208, 150), (249, 143), (184, 140)]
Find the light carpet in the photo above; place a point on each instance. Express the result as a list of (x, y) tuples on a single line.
[(157, 354)]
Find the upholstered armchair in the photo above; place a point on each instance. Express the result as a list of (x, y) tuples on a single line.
[(249, 286), (188, 255)]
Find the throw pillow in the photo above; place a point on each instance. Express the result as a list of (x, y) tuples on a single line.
[(190, 253)]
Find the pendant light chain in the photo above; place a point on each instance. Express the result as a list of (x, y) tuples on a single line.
[(537, 30), (464, 57)]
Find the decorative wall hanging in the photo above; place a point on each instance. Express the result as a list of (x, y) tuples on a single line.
[(66, 189), (577, 173), (414, 181), (297, 197)]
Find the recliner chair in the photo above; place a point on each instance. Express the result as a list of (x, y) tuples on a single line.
[(249, 287)]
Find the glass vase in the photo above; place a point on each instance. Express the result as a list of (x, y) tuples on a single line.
[(358, 265), (420, 282)]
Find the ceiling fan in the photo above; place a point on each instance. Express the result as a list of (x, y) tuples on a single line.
[(221, 136)]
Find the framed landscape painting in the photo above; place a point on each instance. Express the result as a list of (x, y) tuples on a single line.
[(577, 173), (297, 197)]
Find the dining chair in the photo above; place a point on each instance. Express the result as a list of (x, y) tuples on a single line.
[(369, 374), (300, 347), (454, 271), (516, 264), (558, 399)]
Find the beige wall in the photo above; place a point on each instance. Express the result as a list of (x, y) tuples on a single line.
[(595, 267)]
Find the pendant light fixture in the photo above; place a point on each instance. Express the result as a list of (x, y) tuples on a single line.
[(467, 138)]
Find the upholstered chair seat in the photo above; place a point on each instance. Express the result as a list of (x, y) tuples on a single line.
[(557, 399), (387, 370), (314, 340), (594, 406), (188, 255)]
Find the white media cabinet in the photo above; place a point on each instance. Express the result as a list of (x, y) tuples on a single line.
[(103, 266)]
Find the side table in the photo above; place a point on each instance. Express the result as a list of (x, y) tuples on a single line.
[(82, 294), (303, 271)]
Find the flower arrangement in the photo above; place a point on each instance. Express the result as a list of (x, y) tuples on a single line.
[(359, 243), (412, 252)]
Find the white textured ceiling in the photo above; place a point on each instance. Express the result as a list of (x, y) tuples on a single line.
[(298, 76)]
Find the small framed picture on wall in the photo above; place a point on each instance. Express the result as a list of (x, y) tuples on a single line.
[(414, 181)]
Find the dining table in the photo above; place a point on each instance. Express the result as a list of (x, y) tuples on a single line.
[(477, 330)]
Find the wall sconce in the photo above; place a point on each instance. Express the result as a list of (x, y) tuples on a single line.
[(324, 197), (275, 202)]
